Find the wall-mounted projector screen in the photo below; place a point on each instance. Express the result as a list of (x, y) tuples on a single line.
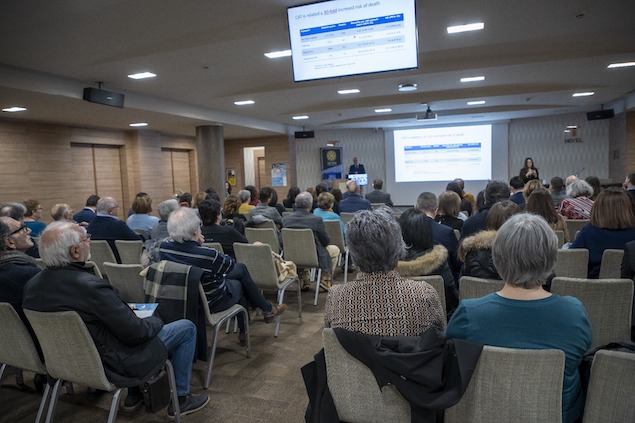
[(351, 37), (439, 154)]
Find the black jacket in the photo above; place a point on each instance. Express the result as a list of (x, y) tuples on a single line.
[(128, 346), (476, 253)]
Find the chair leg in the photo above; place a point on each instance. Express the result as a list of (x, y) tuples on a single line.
[(317, 286), (114, 406), (247, 337), (53, 401), (43, 403), (299, 284), (212, 355), (346, 268), (173, 393)]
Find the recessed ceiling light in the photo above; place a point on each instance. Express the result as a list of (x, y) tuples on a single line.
[(142, 75), (138, 124), (351, 91), (583, 94), (386, 110), (277, 54), (14, 109), (473, 79), (407, 87), (467, 27), (475, 103), (300, 117), (244, 102), (621, 65), (567, 131), (572, 127)]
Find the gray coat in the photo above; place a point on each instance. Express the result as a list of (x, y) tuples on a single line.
[(302, 219)]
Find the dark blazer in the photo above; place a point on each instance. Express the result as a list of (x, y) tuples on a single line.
[(477, 222), (110, 229), (353, 203), (128, 346), (85, 215), (378, 196), (628, 271), (518, 198), (226, 235), (356, 170), (301, 219), (444, 235)]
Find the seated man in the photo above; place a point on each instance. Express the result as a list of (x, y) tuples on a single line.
[(87, 214), (62, 211), (302, 218), (353, 202), (106, 226), (131, 349), (263, 211), (377, 195), (225, 282)]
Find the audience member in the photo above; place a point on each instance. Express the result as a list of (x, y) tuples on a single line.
[(319, 189), (273, 202), (88, 213), (422, 257), (117, 331), (263, 211), (594, 181), (13, 210), (62, 211), (467, 195), (224, 281), (141, 218), (379, 301), (289, 202), (516, 185), (541, 203), (449, 213), (570, 179), (495, 191), (185, 199), (530, 187), (475, 251), (628, 272), (611, 225), (213, 231), (578, 203), (558, 193), (200, 197), (165, 209), (522, 314), (245, 207), (377, 195), (466, 206), (629, 185), (253, 195), (32, 217), (302, 218), (231, 216), (107, 227), (354, 202), (324, 209)]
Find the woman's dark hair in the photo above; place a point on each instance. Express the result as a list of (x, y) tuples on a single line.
[(416, 230), (293, 192), (252, 190), (594, 181), (337, 193), (541, 203), (533, 165), (453, 186), (274, 198), (209, 211)]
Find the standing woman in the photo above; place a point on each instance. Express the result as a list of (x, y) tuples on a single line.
[(529, 171)]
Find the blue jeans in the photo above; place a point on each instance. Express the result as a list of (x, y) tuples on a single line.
[(179, 339)]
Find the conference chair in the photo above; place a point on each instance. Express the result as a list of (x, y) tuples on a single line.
[(471, 287), (215, 245), (216, 321), (574, 226), (347, 217), (611, 393), (357, 397), (512, 385), (457, 234), (267, 236), (438, 284), (334, 229), (572, 263), (127, 279), (560, 235), (268, 224), (89, 265), (611, 264), (100, 252), (299, 247), (17, 349), (259, 262), (70, 355), (129, 251), (608, 303)]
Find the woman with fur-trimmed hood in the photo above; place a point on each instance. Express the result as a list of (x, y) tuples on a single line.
[(423, 257), (476, 251)]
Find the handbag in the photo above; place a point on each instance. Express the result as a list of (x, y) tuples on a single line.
[(156, 392), (285, 268)]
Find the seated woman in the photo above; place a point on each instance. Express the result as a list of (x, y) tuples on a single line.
[(612, 225), (449, 209), (541, 203), (578, 203), (231, 216), (530, 187), (423, 257), (32, 217), (213, 231), (273, 202), (379, 301), (475, 251), (289, 202), (141, 219), (523, 314), (324, 209)]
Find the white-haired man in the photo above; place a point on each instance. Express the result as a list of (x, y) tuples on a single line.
[(67, 285), (354, 201), (107, 227)]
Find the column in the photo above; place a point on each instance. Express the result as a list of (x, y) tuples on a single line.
[(210, 154)]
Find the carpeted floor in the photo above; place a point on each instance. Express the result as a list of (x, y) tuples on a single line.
[(267, 387)]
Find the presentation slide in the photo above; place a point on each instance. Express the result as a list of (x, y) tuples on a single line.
[(439, 154), (351, 37)]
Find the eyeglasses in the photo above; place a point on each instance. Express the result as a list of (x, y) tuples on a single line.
[(86, 239), (23, 228)]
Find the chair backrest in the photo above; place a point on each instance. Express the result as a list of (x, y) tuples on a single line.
[(127, 280), (267, 236), (69, 351), (334, 229), (143, 233), (40, 263), (611, 265), (608, 303), (355, 392), (560, 235), (129, 251), (267, 224), (215, 245), (259, 263), (574, 225), (17, 348), (347, 217), (471, 287), (437, 283), (572, 263), (299, 247), (527, 382), (92, 265), (611, 394), (457, 234), (100, 252)]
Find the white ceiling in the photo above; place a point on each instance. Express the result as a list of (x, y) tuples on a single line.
[(207, 54)]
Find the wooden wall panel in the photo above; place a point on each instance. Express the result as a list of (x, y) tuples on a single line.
[(83, 171), (181, 171), (166, 175), (108, 175)]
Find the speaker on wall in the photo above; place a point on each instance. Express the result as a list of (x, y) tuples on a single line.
[(304, 134), (600, 114), (108, 98)]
